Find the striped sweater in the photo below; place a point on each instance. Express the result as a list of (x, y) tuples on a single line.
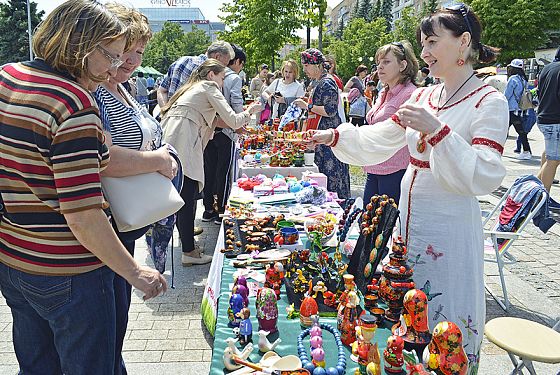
[(51, 153)]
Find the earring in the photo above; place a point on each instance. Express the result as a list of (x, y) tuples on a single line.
[(460, 60)]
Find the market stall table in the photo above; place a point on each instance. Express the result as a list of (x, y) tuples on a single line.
[(268, 171)]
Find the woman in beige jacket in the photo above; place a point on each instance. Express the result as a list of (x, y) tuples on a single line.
[(189, 121)]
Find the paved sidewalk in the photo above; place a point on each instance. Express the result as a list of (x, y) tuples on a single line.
[(166, 335)]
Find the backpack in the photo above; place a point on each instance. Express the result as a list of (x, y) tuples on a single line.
[(525, 102)]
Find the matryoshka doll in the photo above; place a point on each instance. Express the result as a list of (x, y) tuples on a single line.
[(416, 317), (235, 306), (242, 288), (347, 318), (267, 310), (393, 355), (446, 353)]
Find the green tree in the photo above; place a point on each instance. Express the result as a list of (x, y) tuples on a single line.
[(405, 28), (262, 27), (429, 7), (364, 10), (375, 10), (196, 42), (518, 27), (14, 41), (165, 47), (359, 42), (340, 30), (386, 12)]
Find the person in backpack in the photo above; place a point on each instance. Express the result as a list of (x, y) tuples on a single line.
[(219, 154), (516, 84)]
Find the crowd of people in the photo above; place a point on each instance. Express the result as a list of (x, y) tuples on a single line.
[(431, 138)]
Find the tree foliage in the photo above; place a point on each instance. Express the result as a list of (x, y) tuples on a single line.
[(387, 13), (429, 6), (364, 9), (375, 10), (518, 27), (14, 41), (360, 41), (262, 27), (171, 43), (405, 29)]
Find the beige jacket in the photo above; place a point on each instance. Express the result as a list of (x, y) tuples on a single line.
[(189, 125)]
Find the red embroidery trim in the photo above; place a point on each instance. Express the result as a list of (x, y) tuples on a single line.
[(420, 94), (484, 96), (419, 163), (409, 205), (488, 142), (453, 104), (336, 135), (435, 139), (397, 120)]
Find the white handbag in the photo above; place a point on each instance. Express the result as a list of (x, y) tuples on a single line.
[(140, 200)]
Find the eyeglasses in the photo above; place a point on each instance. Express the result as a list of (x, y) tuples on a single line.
[(400, 45), (115, 63), (461, 8)]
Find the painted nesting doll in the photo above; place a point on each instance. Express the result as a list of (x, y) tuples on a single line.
[(235, 306), (347, 318), (393, 355), (446, 353), (242, 288), (267, 310), (416, 317)]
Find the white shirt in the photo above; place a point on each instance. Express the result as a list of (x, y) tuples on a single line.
[(292, 91)]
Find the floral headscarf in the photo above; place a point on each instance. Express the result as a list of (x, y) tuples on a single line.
[(312, 56)]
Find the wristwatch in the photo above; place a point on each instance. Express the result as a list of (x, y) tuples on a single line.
[(309, 106)]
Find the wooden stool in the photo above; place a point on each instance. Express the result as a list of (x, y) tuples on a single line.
[(525, 339)]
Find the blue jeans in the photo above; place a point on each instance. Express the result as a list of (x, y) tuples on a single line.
[(379, 184), (62, 324)]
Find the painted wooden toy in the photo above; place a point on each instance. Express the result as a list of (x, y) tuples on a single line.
[(446, 353), (267, 310), (308, 308), (416, 317), (245, 327), (393, 355), (264, 344), (364, 350), (347, 318), (235, 306)]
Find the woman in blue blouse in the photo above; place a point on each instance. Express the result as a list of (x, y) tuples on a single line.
[(517, 82), (323, 113)]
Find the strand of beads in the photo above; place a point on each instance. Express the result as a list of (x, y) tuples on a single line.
[(343, 232), (340, 368)]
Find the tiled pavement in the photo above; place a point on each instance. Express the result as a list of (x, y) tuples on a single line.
[(166, 335)]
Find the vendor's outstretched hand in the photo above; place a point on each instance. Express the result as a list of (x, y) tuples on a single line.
[(254, 107), (318, 137), (418, 118), (300, 103)]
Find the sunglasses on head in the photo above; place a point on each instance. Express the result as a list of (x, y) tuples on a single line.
[(400, 46), (461, 8)]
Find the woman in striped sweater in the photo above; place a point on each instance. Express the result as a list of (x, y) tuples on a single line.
[(58, 252)]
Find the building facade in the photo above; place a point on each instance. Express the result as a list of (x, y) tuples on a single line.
[(186, 17)]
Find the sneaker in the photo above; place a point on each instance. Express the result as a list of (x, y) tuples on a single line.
[(209, 216), (218, 220), (195, 257), (525, 155), (198, 231), (516, 151), (555, 182)]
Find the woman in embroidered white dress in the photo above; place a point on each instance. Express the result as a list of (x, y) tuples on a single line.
[(455, 134)]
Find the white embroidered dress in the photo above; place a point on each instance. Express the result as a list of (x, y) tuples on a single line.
[(440, 215)]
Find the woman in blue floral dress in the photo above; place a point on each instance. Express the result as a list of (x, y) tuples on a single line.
[(323, 113)]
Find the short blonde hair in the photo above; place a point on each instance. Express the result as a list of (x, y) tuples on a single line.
[(292, 64), (137, 24), (403, 51), (71, 32)]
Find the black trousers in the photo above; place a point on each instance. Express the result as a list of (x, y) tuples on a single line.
[(218, 160), (185, 216), (517, 122)]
